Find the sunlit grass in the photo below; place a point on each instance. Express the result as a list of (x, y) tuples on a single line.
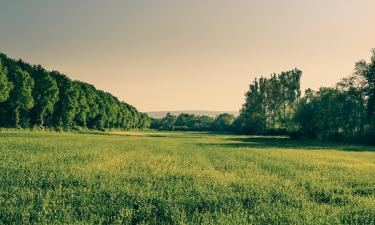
[(178, 178)]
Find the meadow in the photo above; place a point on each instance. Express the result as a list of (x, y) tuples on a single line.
[(182, 178)]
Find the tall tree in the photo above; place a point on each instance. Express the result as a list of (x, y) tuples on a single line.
[(5, 85), (45, 94), (66, 107), (83, 107), (270, 103), (20, 98), (92, 101), (367, 70), (253, 113)]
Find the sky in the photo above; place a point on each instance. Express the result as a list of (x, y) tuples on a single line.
[(188, 54)]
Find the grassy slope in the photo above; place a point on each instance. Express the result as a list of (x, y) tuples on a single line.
[(182, 178)]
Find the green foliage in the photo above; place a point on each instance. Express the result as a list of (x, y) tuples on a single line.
[(344, 112), (50, 99), (191, 122), (5, 85), (168, 122), (182, 178), (334, 113), (45, 94), (224, 122), (67, 106), (144, 121), (20, 97), (83, 110), (367, 71), (270, 103)]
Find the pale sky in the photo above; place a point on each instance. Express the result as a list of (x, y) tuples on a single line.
[(188, 54)]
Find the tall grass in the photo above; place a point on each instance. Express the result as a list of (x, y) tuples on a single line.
[(182, 178)]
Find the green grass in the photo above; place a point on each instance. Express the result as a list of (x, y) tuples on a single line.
[(182, 178)]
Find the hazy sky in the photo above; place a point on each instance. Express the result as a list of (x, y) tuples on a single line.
[(188, 54)]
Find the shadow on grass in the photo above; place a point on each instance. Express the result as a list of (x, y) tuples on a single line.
[(287, 143)]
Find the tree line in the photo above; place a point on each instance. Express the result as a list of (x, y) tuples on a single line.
[(345, 112), (31, 96), (275, 105), (192, 122), (269, 108)]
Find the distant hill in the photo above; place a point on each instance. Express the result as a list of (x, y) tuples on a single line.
[(161, 114)]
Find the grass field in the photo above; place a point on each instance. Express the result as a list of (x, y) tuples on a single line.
[(182, 178)]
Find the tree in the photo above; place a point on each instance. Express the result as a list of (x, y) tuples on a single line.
[(45, 94), (155, 123), (20, 98), (367, 70), (253, 111), (100, 120), (333, 113), (145, 121), (168, 122), (270, 103), (224, 122), (5, 85), (88, 113), (56, 101), (185, 119), (127, 114), (203, 123), (291, 93), (305, 115), (83, 107), (67, 105), (352, 90)]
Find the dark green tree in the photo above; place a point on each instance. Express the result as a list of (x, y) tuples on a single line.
[(367, 71), (83, 107), (67, 105), (45, 94), (5, 85), (168, 122), (20, 97), (92, 102), (333, 113), (57, 101), (224, 122)]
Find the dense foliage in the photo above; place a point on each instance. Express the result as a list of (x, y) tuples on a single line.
[(344, 112), (270, 103), (191, 122), (31, 96)]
